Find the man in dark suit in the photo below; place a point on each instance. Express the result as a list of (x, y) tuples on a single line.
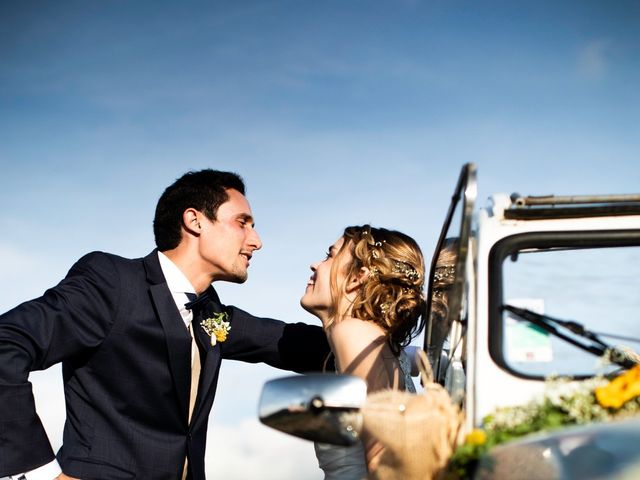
[(140, 359)]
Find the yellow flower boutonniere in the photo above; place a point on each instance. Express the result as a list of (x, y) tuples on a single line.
[(217, 327)]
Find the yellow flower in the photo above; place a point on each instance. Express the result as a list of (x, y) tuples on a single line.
[(216, 327), (608, 398), (476, 436), (620, 390), (221, 335)]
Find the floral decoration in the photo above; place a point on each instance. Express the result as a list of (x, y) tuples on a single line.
[(620, 390), (217, 327), (564, 403)]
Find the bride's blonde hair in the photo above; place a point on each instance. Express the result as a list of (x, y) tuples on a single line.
[(392, 294)]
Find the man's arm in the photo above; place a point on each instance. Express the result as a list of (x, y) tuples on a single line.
[(297, 347), (68, 319)]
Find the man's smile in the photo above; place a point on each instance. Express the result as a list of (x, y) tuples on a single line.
[(247, 256)]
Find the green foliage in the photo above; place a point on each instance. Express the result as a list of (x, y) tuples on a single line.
[(564, 403)]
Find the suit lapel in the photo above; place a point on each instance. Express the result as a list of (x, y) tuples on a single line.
[(211, 358), (176, 335)]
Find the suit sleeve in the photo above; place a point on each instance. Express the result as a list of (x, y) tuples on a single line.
[(68, 320), (297, 347)]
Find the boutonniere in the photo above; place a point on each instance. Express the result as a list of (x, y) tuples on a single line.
[(217, 327)]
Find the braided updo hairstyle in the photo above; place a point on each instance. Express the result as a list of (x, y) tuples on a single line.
[(392, 294), (444, 277)]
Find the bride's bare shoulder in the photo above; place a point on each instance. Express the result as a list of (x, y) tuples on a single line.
[(356, 341)]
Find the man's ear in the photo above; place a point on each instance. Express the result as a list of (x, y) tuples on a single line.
[(357, 280), (191, 221)]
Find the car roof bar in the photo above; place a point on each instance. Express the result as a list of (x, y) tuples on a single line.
[(520, 201)]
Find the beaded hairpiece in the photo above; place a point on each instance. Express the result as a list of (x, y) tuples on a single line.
[(406, 270), (371, 241), (445, 273)]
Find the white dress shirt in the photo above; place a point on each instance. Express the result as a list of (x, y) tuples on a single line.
[(179, 285)]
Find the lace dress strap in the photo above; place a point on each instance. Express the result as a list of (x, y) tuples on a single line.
[(405, 368)]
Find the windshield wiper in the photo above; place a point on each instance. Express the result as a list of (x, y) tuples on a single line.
[(596, 346)]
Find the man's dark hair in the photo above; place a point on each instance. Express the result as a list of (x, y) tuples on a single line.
[(204, 190)]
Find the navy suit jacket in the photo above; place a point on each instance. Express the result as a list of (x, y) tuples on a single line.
[(126, 362)]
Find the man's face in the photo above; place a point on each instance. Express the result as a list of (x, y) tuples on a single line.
[(227, 244)]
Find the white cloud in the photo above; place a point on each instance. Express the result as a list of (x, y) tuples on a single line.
[(15, 261), (24, 274), (49, 395), (251, 450), (593, 61)]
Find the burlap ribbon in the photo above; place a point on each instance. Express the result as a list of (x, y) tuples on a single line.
[(419, 431)]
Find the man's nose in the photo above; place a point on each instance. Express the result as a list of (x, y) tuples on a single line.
[(254, 240)]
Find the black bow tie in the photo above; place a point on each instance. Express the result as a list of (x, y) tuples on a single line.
[(196, 304)]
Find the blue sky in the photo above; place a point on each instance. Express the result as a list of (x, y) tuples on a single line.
[(334, 112)]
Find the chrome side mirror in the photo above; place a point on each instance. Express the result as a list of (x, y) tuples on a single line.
[(320, 407)]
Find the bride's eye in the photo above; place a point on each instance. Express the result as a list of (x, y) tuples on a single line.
[(327, 255)]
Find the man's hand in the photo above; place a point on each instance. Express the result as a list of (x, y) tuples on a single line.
[(62, 476)]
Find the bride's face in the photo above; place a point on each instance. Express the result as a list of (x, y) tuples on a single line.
[(318, 297)]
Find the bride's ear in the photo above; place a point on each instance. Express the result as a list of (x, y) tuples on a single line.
[(357, 280)]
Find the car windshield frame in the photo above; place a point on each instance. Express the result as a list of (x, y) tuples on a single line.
[(465, 192), (512, 245)]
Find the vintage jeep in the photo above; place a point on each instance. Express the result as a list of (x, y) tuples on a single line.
[(543, 286)]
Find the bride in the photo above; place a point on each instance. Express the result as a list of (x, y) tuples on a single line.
[(368, 294)]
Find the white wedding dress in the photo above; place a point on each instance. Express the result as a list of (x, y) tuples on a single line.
[(349, 463)]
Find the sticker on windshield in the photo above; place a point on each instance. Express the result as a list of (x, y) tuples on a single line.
[(524, 341)]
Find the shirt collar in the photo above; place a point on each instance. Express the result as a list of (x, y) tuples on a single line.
[(176, 280), (179, 285)]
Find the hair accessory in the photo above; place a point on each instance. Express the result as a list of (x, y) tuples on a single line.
[(374, 250), (374, 272), (406, 270), (445, 273), (384, 308)]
